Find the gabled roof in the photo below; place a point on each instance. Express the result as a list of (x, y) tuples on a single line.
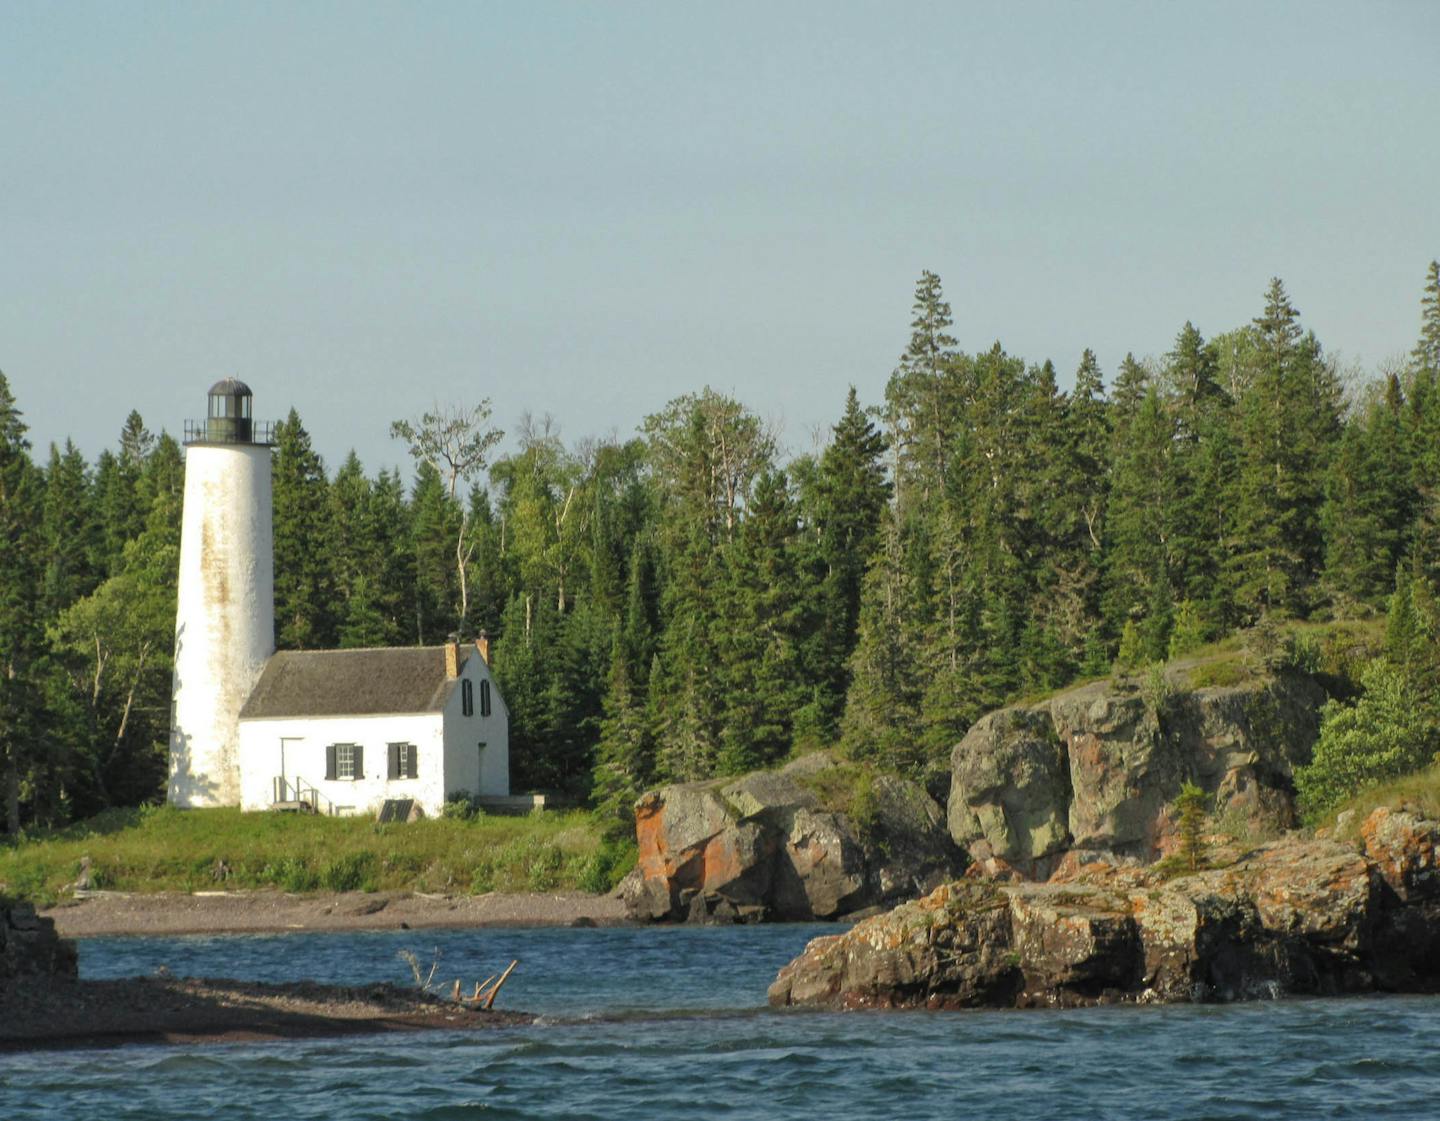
[(371, 682)]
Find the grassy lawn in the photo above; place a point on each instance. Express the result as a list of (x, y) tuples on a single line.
[(164, 849)]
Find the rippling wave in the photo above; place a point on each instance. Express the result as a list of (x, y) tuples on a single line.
[(658, 1023)]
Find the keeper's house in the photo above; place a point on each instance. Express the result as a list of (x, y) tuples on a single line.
[(341, 731)]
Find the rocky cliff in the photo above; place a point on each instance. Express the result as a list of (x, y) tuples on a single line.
[(1094, 769), (1292, 916), (817, 839)]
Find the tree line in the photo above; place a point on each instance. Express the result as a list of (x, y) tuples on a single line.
[(688, 602)]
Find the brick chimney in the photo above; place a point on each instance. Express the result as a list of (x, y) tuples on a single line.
[(452, 659), (482, 644)]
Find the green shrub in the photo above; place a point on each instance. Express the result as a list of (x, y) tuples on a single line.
[(294, 874), (543, 873), (353, 872), (610, 864), (1155, 690), (482, 878), (1132, 647), (1218, 675), (1303, 652), (1189, 633), (459, 806), (1383, 735), (1192, 806)]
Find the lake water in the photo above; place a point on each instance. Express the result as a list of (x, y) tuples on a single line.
[(671, 1023)]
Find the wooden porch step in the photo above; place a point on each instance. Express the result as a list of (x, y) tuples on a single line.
[(292, 807)]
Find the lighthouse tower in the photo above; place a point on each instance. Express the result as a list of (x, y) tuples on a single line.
[(225, 621)]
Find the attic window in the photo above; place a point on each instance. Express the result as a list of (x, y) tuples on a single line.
[(484, 698), (404, 762), (344, 761), (467, 699)]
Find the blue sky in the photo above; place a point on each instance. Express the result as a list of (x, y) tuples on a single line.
[(585, 209)]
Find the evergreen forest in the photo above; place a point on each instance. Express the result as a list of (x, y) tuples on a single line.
[(693, 601)]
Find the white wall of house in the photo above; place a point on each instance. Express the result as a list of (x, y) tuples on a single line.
[(449, 757), (304, 741), (484, 771)]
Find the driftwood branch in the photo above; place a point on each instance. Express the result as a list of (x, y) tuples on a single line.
[(490, 999)]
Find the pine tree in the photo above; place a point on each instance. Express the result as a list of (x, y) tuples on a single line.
[(21, 636), (1367, 505), (1426, 355), (1132, 383), (1139, 590), (1289, 421), (70, 535), (435, 525), (851, 493), (922, 399), (883, 707), (304, 592), (625, 755), (122, 508), (1204, 473), (758, 630)]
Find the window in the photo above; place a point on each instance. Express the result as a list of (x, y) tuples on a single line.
[(467, 699), (344, 762), (484, 698), (404, 762)]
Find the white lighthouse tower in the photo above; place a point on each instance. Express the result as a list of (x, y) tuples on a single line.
[(225, 621)]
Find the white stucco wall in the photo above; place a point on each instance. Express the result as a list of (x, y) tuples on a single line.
[(225, 618), (468, 768), (306, 740), (449, 757)]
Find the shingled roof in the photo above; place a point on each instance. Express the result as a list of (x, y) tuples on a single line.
[(368, 682)]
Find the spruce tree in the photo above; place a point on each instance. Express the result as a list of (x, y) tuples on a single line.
[(21, 635), (922, 398), (1139, 591), (1289, 421), (851, 493), (758, 635), (435, 525), (1426, 355), (69, 533), (625, 755), (1204, 479), (1367, 505), (304, 565), (887, 680)]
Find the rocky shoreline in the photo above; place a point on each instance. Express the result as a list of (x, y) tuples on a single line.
[(1296, 916), (44, 1003), (74, 1013), (270, 912)]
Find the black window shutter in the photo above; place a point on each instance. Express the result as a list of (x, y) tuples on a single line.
[(484, 698), (330, 763), (412, 764), (359, 761), (394, 761)]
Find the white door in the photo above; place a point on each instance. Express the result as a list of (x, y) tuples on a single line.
[(289, 760)]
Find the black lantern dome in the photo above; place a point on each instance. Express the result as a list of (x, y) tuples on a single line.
[(228, 417)]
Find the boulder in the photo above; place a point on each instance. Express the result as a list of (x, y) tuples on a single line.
[(30, 950), (916, 956), (816, 839), (1097, 767), (1010, 786), (1295, 916), (1405, 849)]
